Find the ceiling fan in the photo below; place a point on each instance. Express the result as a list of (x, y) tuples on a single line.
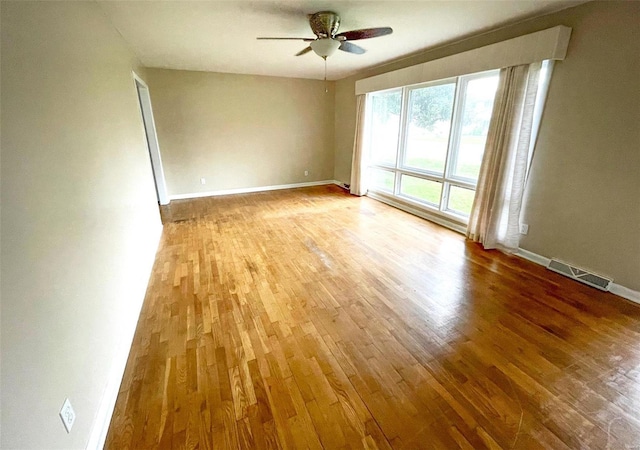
[(324, 25)]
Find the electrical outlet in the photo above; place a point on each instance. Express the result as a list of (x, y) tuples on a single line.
[(524, 228), (203, 181), (67, 415), (306, 173)]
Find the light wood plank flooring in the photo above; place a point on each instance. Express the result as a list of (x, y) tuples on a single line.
[(309, 318)]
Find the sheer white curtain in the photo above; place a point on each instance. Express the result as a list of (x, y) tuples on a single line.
[(495, 215), (358, 160)]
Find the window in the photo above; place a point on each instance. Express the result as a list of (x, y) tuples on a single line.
[(426, 141), (428, 127), (385, 127)]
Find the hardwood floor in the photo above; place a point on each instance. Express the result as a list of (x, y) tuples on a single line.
[(309, 318)]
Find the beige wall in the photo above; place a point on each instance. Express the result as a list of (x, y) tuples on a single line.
[(241, 131), (80, 223), (345, 126), (584, 192), (584, 197)]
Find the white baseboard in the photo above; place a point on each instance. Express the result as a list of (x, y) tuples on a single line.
[(616, 289), (533, 257), (341, 184), (251, 189), (102, 419), (624, 292)]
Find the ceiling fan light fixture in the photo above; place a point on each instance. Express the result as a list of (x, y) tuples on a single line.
[(325, 47)]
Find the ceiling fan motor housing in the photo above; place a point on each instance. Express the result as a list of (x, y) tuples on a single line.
[(324, 23)]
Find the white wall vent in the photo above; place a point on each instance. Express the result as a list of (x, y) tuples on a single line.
[(581, 275)]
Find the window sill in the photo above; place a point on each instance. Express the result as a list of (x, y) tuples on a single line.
[(447, 220)]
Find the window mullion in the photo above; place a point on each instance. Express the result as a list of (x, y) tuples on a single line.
[(460, 183), (402, 137), (453, 139)]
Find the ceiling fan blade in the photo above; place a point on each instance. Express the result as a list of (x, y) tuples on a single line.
[(351, 48), (365, 33), (285, 39), (303, 51)]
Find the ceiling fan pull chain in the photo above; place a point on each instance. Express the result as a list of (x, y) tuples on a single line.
[(326, 88)]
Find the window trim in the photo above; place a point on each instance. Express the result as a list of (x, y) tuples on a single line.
[(547, 44)]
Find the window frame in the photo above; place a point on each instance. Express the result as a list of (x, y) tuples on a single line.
[(447, 178)]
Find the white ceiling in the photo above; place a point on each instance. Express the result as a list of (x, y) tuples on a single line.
[(220, 36)]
